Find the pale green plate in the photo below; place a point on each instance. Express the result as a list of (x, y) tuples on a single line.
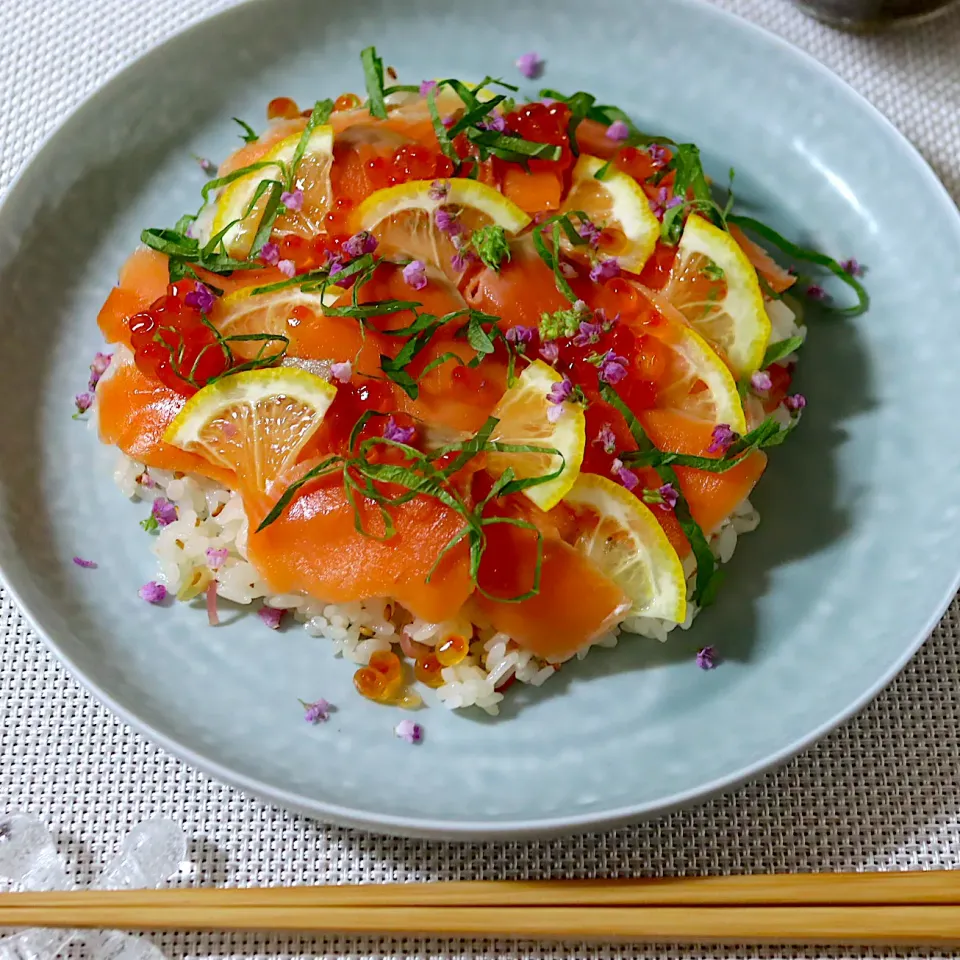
[(858, 554)]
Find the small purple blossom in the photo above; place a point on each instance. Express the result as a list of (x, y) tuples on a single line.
[(360, 243), (393, 431), (550, 352), (415, 274), (409, 731), (557, 395), (446, 221), (668, 496), (448, 121), (439, 190), (706, 658), (816, 292), (98, 368), (317, 711), (217, 558), (530, 65), (153, 592), (461, 258), (494, 121), (590, 232), (86, 564), (589, 333), (605, 269), (270, 253), (342, 371), (207, 166), (659, 155), (271, 616), (612, 368), (426, 86), (618, 130), (722, 437), (607, 439), (287, 267), (334, 264), (627, 477), (519, 334), (853, 267), (292, 199), (795, 403), (83, 402), (761, 382), (663, 203), (163, 511), (201, 297)]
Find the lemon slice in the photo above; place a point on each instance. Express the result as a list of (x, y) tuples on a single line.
[(522, 412), (697, 382), (715, 287), (254, 423), (245, 312), (313, 177), (619, 206), (621, 536), (403, 218)]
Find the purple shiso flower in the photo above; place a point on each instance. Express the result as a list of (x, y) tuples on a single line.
[(292, 199), (612, 368), (706, 658), (163, 511), (207, 166), (589, 333), (270, 253), (439, 190), (217, 558), (271, 616), (98, 368), (530, 65), (342, 371), (415, 274), (557, 395), (853, 267), (816, 292), (446, 221), (201, 298), (461, 258), (317, 711), (795, 403), (360, 243), (590, 232), (550, 352), (626, 477), (722, 437), (519, 334), (426, 86), (288, 268), (393, 431), (86, 564), (409, 731), (153, 592), (607, 439), (669, 496), (664, 202), (761, 382), (494, 121), (618, 130), (659, 155), (605, 269), (83, 401)]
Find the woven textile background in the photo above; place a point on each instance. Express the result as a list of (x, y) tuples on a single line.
[(882, 792)]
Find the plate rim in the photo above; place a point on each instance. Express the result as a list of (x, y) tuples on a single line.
[(521, 829)]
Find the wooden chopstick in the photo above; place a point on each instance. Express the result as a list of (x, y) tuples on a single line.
[(892, 926), (886, 908), (921, 888)]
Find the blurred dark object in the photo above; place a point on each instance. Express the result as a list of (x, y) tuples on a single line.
[(869, 15)]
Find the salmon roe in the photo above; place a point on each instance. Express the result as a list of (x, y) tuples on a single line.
[(172, 344), (428, 670), (282, 108), (452, 650), (370, 684)]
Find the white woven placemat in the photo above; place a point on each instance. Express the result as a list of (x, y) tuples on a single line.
[(883, 792)]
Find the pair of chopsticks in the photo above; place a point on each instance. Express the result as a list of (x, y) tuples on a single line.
[(849, 909)]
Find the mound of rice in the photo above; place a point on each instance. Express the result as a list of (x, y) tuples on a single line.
[(211, 517)]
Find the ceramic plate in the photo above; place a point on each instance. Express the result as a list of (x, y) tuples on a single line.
[(859, 549)]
